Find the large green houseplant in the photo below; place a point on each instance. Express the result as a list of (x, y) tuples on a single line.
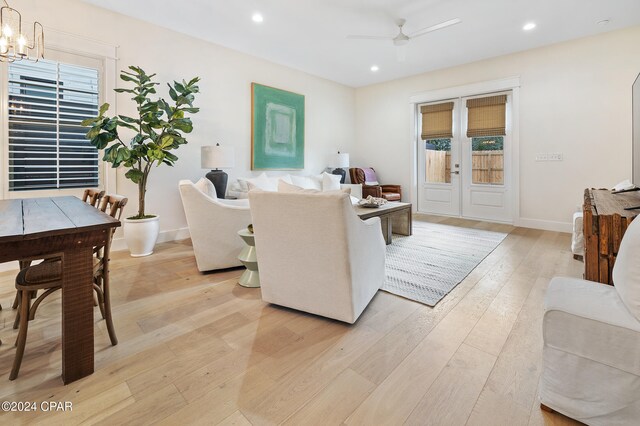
[(147, 140)]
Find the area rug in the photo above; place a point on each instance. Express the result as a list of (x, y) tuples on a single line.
[(427, 265)]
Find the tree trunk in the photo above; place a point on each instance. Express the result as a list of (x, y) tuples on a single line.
[(142, 192)]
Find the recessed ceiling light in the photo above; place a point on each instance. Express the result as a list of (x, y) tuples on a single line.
[(529, 26), (257, 17), (374, 68)]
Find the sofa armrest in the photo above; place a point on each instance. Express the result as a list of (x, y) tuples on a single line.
[(373, 190), (392, 188)]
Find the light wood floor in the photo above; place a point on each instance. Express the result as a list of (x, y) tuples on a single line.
[(197, 348)]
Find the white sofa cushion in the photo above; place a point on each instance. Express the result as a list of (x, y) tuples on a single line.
[(206, 187), (330, 182), (307, 182), (626, 271), (286, 188), (262, 181)]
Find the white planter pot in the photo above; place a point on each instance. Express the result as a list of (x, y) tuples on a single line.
[(141, 235)]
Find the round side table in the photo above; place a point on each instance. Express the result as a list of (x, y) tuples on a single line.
[(250, 277)]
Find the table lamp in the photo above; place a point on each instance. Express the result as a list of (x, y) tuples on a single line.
[(215, 158), (340, 161)]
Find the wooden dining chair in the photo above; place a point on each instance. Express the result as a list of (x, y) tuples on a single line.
[(92, 196), (48, 276)]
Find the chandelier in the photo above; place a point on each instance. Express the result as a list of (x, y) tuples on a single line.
[(14, 44)]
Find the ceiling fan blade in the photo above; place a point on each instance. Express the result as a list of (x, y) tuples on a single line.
[(436, 27), (366, 37)]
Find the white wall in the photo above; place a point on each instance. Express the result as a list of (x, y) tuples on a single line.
[(225, 98), (575, 98)]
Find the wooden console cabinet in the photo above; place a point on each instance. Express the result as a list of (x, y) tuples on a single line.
[(605, 221)]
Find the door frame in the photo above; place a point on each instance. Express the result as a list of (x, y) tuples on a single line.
[(488, 87)]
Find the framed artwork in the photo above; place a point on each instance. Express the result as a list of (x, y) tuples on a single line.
[(277, 129)]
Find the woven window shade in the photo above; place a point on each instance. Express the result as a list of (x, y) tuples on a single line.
[(437, 121), (486, 116)]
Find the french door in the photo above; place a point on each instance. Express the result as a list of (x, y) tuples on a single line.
[(466, 175)]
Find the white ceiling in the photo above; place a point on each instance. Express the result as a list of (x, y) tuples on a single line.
[(310, 35)]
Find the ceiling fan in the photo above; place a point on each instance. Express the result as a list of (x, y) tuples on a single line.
[(401, 40)]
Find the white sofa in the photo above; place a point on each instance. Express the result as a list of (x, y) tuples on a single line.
[(240, 187), (213, 224), (315, 254), (591, 352)]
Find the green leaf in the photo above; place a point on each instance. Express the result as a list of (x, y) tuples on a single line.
[(183, 124), (179, 87), (89, 121), (173, 94), (111, 124), (103, 108), (166, 141), (93, 132), (134, 175), (125, 77), (128, 119)]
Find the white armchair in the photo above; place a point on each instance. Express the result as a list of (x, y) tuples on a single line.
[(213, 224), (315, 254), (591, 352)]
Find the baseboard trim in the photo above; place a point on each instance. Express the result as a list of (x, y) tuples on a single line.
[(120, 244), (546, 225)]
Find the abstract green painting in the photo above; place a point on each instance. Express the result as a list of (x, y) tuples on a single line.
[(277, 129)]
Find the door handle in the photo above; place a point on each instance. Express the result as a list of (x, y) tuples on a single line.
[(457, 172)]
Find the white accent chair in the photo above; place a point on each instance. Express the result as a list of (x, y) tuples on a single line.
[(591, 352), (315, 254), (213, 224)]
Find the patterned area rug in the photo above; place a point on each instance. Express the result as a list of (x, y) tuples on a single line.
[(427, 265)]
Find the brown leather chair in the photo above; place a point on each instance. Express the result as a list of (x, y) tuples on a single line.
[(363, 175)]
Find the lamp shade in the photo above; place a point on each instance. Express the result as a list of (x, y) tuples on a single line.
[(339, 160), (217, 157)]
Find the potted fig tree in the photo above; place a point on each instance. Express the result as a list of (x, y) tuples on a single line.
[(143, 142)]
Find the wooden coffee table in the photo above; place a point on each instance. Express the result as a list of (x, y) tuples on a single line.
[(395, 218)]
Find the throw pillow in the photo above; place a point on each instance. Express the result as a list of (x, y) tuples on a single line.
[(626, 271), (263, 182), (307, 182), (330, 182), (205, 186), (287, 188), (372, 183)]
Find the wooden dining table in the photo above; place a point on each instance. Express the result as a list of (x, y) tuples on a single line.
[(41, 227)]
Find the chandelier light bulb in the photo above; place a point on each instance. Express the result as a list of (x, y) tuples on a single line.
[(3, 45), (7, 31), (22, 44)]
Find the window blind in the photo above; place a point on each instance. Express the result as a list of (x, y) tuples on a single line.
[(486, 116), (47, 145), (437, 121)]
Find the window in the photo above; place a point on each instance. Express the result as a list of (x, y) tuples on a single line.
[(437, 131), (487, 160), (47, 148)]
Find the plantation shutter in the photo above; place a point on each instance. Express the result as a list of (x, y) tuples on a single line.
[(437, 121), (47, 145), (486, 116)]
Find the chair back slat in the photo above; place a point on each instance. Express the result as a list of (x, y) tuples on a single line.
[(113, 205), (92, 196)]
